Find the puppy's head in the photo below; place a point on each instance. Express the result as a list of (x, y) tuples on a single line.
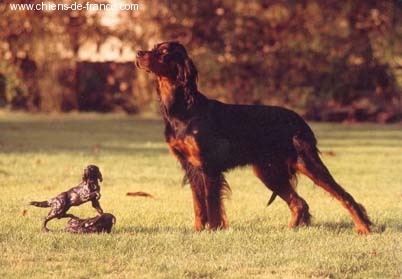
[(92, 174), (168, 59)]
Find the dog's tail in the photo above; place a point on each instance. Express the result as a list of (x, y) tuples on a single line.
[(140, 194), (272, 198), (40, 203)]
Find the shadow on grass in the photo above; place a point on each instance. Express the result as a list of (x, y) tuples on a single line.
[(330, 227), (333, 228), (4, 173), (343, 226), (393, 224), (94, 136), (154, 230), (115, 134), (89, 150)]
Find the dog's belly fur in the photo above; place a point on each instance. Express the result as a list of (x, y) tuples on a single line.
[(221, 154)]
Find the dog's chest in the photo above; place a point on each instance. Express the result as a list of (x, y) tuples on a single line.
[(82, 194), (197, 144), (84, 190), (182, 140), (186, 148)]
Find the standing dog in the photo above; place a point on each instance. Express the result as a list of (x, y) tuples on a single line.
[(209, 138), (87, 190)]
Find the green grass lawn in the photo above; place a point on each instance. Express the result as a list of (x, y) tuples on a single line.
[(41, 156)]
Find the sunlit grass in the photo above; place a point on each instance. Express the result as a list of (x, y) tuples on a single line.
[(41, 156)]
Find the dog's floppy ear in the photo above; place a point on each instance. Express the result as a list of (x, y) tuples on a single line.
[(100, 176), (186, 72), (187, 77), (85, 176)]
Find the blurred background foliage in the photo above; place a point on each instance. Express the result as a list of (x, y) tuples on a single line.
[(329, 60)]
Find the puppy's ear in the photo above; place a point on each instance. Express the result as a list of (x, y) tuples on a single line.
[(85, 176), (100, 176)]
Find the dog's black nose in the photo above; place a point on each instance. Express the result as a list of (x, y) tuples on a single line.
[(140, 53)]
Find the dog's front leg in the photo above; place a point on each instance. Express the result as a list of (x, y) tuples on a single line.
[(200, 208), (195, 178), (96, 205), (94, 196), (215, 186)]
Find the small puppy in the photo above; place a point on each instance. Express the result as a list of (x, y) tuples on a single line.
[(87, 190), (100, 224)]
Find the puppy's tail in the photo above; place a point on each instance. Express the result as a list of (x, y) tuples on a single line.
[(40, 204)]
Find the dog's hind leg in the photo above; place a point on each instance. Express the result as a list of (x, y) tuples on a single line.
[(278, 178), (58, 210), (52, 214), (310, 164)]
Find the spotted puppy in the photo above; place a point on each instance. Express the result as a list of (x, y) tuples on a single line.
[(100, 224), (87, 190)]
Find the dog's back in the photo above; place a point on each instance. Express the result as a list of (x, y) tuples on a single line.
[(75, 196), (233, 135)]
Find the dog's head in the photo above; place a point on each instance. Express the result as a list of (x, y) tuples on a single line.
[(168, 59), (92, 174)]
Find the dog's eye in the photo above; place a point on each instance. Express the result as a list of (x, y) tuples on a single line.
[(163, 51)]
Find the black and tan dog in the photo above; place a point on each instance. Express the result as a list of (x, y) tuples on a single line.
[(87, 190), (209, 137)]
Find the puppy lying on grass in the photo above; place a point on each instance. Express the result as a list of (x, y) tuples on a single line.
[(87, 190), (100, 224)]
